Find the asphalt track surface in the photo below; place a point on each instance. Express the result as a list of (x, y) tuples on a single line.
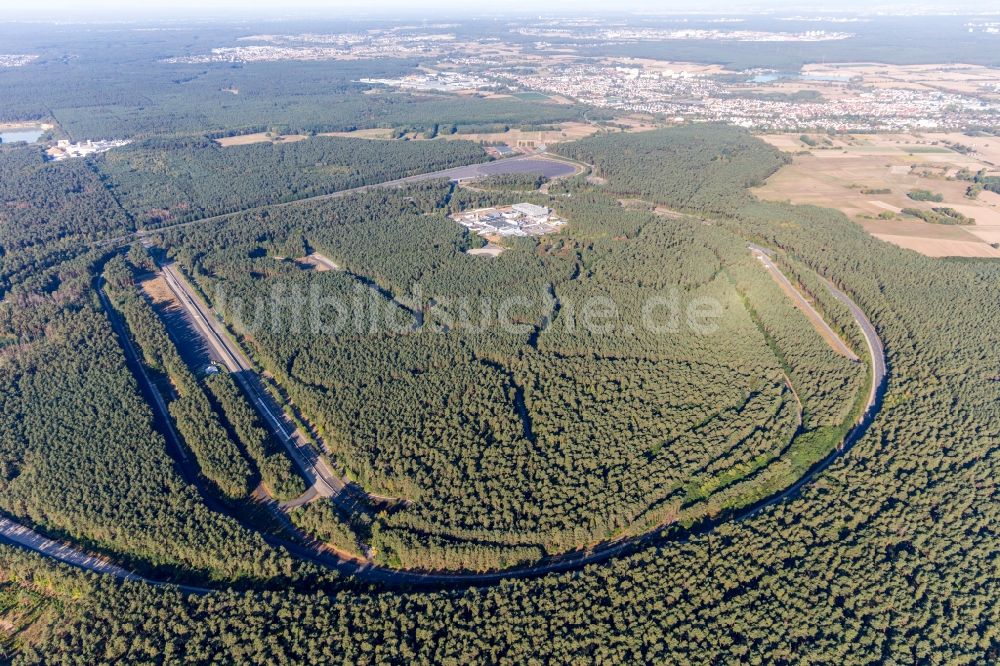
[(323, 481), (875, 349), (320, 477), (28, 538)]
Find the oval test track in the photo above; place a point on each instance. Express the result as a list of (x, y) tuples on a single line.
[(14, 533)]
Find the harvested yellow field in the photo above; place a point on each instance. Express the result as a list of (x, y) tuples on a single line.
[(917, 229), (959, 78), (936, 240), (984, 215), (987, 147), (930, 247), (519, 138), (568, 131), (988, 233), (560, 99), (516, 138), (869, 176)]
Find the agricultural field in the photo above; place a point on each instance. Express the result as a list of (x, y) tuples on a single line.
[(369, 133), (959, 78), (516, 137), (871, 178), (843, 81)]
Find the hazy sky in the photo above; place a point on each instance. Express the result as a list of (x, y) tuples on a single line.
[(127, 9)]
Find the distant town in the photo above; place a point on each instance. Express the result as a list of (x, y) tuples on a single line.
[(653, 35), (441, 81), (888, 99), (334, 46), (690, 94)]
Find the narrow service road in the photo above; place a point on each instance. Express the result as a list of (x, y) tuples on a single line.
[(802, 304)]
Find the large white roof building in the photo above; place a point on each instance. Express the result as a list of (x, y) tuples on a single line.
[(531, 210)]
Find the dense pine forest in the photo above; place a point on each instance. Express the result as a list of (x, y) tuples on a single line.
[(219, 457), (504, 419), (160, 181), (476, 417), (50, 211), (81, 456)]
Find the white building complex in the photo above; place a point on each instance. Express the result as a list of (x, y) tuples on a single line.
[(64, 150), (523, 219)]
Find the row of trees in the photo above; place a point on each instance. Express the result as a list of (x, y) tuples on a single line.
[(276, 469), (219, 457)]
